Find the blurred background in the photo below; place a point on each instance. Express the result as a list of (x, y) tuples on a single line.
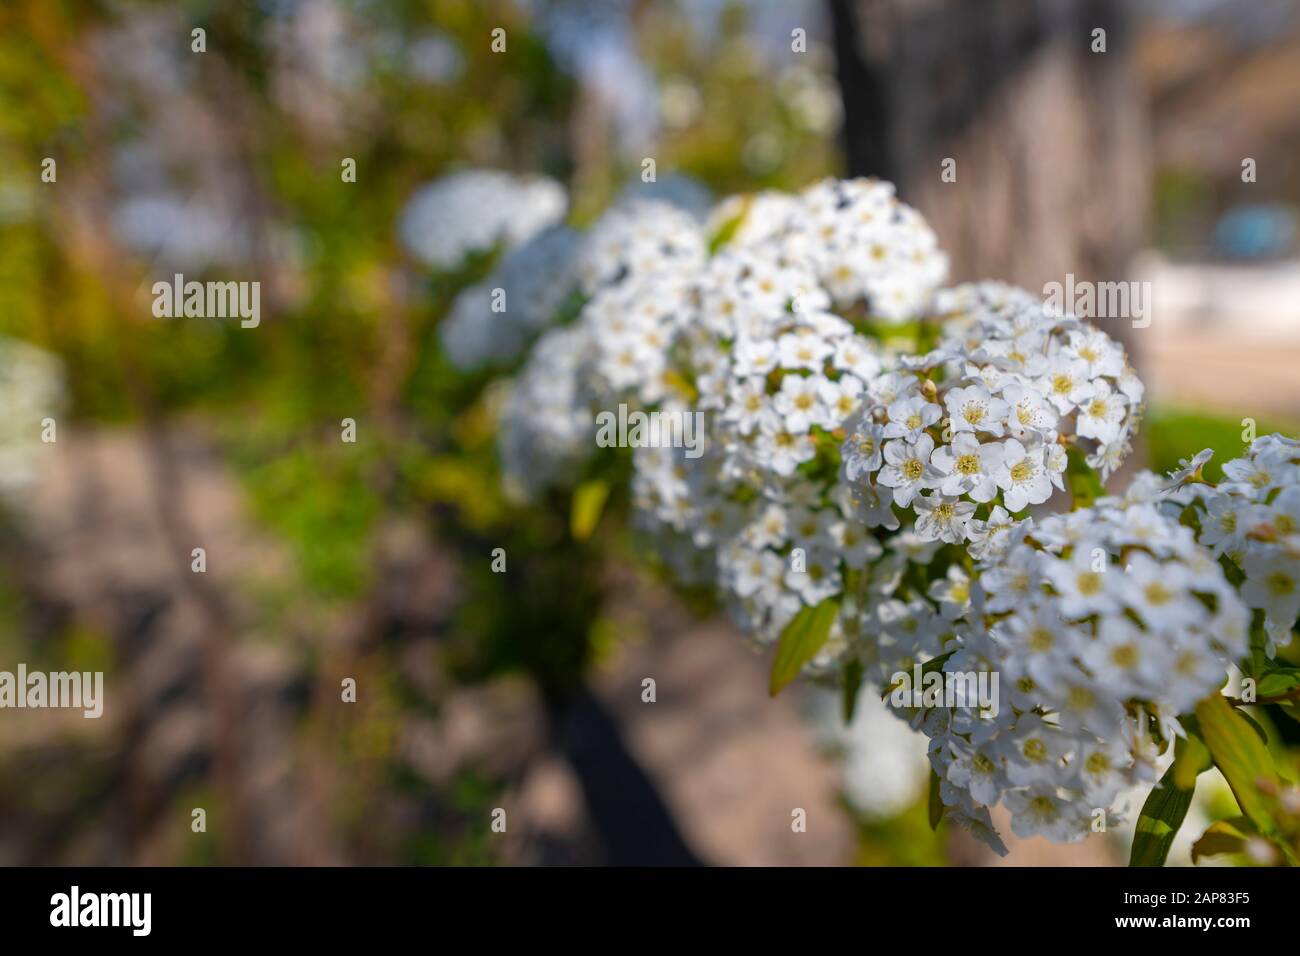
[(325, 561)]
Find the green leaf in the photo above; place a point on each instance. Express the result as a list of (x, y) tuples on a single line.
[(1278, 682), (802, 638), (936, 802), (936, 663), (853, 673), (588, 502), (1085, 483), (1225, 836), (1158, 824), (1257, 663), (1260, 732), (1191, 759), (1240, 755), (729, 228)]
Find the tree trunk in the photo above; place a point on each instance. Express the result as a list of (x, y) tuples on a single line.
[(1048, 136)]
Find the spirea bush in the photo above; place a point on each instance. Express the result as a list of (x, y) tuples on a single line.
[(898, 487)]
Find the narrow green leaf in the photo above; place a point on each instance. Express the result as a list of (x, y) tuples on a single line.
[(853, 673), (1158, 824), (1240, 755), (936, 801), (729, 228), (1191, 759), (802, 638), (588, 502)]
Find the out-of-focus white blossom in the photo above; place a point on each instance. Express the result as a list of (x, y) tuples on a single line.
[(494, 320), (1253, 517), (638, 237), (475, 211), (636, 266), (866, 247)]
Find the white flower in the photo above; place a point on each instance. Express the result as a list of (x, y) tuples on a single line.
[(1039, 811), (1100, 416), (987, 539), (907, 467), (1100, 355), (799, 401), (1189, 469), (1034, 752), (973, 409), (747, 402), (783, 447), (942, 518), (1022, 476), (1159, 592), (1123, 659), (1029, 411), (754, 357), (1080, 581), (862, 450), (840, 399), (909, 418), (818, 580), (638, 237), (1273, 585), (1066, 383), (953, 592), (803, 349), (967, 467), (852, 356)]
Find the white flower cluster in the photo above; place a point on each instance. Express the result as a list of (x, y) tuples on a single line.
[(636, 265), (1006, 337), (774, 366), (865, 246), (778, 375), (493, 321), (31, 390), (1253, 517), (1103, 625), (754, 217), (639, 237), (882, 495), (983, 419), (475, 211), (760, 306), (546, 423)]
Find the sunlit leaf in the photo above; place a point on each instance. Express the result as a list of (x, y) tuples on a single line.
[(588, 502), (1158, 824), (802, 638), (1241, 756)]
